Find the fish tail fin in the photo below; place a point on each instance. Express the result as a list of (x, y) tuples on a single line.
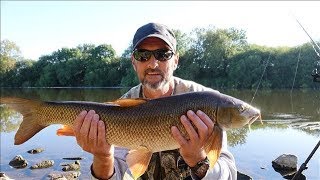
[(28, 108), (214, 145)]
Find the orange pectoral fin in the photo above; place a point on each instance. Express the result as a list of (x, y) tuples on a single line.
[(138, 161), (214, 145), (65, 131), (128, 102)]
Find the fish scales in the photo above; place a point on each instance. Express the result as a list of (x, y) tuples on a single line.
[(149, 128), (145, 125)]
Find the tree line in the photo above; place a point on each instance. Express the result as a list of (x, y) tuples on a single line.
[(218, 58)]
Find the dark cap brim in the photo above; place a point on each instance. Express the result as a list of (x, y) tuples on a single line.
[(157, 36)]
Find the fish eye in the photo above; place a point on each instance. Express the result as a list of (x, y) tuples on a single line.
[(241, 108)]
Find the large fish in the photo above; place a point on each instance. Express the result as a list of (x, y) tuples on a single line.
[(141, 125)]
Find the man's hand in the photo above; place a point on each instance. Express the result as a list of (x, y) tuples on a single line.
[(192, 150), (91, 136)]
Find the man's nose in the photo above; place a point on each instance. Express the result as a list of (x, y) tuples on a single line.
[(153, 62)]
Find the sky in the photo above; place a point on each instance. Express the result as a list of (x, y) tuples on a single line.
[(42, 27)]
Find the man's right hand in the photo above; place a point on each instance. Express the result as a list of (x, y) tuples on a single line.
[(91, 136)]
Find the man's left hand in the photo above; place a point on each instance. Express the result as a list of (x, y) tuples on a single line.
[(192, 150)]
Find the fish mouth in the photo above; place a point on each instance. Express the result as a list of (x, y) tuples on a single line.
[(255, 117)]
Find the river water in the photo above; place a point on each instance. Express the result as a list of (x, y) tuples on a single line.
[(291, 125)]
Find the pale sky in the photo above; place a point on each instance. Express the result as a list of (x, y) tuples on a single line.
[(39, 28)]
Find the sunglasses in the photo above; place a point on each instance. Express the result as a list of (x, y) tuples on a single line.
[(160, 54)]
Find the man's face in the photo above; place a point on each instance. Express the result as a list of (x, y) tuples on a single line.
[(154, 74)]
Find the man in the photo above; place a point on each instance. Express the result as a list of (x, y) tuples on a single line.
[(154, 59)]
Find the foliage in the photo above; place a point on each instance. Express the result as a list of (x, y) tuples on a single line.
[(210, 55), (219, 58), (10, 53)]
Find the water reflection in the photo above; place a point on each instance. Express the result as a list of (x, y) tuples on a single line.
[(10, 120), (271, 102), (66, 94)]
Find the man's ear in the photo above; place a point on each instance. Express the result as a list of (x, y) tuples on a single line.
[(176, 61), (133, 63)]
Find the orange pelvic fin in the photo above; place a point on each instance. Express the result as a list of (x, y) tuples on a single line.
[(65, 131), (138, 161), (214, 145), (128, 102), (30, 124)]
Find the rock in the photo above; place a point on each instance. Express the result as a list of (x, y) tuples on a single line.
[(73, 158), (3, 176), (43, 164), (241, 176), (72, 166), (18, 162), (64, 176), (285, 162), (263, 167), (35, 151)]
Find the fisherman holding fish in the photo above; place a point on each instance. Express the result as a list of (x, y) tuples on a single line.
[(163, 128), (154, 59)]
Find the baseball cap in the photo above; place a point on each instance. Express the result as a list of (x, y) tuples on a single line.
[(155, 30)]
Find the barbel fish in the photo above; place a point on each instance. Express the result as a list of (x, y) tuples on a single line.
[(141, 125)]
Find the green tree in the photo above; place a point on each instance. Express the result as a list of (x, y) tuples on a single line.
[(246, 69), (210, 54), (10, 54), (183, 42), (128, 75), (99, 66), (23, 73), (49, 77)]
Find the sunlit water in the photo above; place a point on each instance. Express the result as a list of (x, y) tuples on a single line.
[(55, 148), (265, 145), (285, 131)]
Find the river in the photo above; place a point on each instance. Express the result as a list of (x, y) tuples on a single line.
[(291, 125)]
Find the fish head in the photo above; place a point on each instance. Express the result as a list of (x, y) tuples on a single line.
[(235, 113)]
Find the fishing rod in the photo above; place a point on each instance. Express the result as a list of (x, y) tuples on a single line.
[(304, 165), (316, 72), (316, 78)]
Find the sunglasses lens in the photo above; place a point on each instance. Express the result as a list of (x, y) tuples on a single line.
[(159, 54), (163, 54), (142, 55)]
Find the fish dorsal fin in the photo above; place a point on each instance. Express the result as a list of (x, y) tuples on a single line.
[(65, 131), (128, 102), (138, 161), (214, 145)]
